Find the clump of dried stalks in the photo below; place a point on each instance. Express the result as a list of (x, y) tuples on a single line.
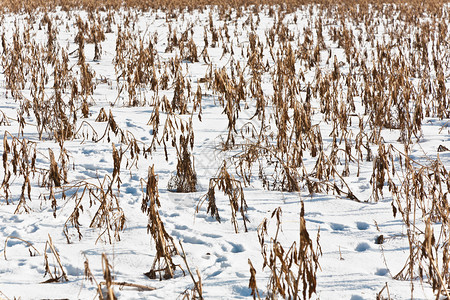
[(421, 198), (109, 217), (231, 187), (197, 291), (58, 274), (108, 291), (293, 270), (19, 160), (135, 64), (185, 179), (165, 246)]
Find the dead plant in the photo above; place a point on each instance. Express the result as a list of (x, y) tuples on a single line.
[(231, 187), (58, 274), (185, 179), (36, 252), (165, 246), (197, 290), (292, 271)]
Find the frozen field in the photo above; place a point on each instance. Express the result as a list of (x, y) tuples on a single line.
[(131, 132)]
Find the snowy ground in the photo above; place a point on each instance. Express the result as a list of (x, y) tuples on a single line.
[(352, 265)]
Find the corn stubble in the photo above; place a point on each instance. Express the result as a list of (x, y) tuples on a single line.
[(292, 270), (58, 274), (273, 145), (231, 187), (164, 243)]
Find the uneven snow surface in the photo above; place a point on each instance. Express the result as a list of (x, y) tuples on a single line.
[(34, 209)]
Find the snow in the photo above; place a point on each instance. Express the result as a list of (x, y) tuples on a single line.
[(352, 265)]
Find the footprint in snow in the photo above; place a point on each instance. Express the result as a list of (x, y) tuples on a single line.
[(32, 228), (362, 225), (338, 227), (193, 240), (382, 272), (16, 219), (241, 275), (21, 263), (242, 290), (188, 239), (362, 247), (221, 259), (131, 190), (181, 227), (213, 236), (214, 274), (237, 248)]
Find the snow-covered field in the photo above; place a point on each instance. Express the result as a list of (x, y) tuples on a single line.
[(308, 100)]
